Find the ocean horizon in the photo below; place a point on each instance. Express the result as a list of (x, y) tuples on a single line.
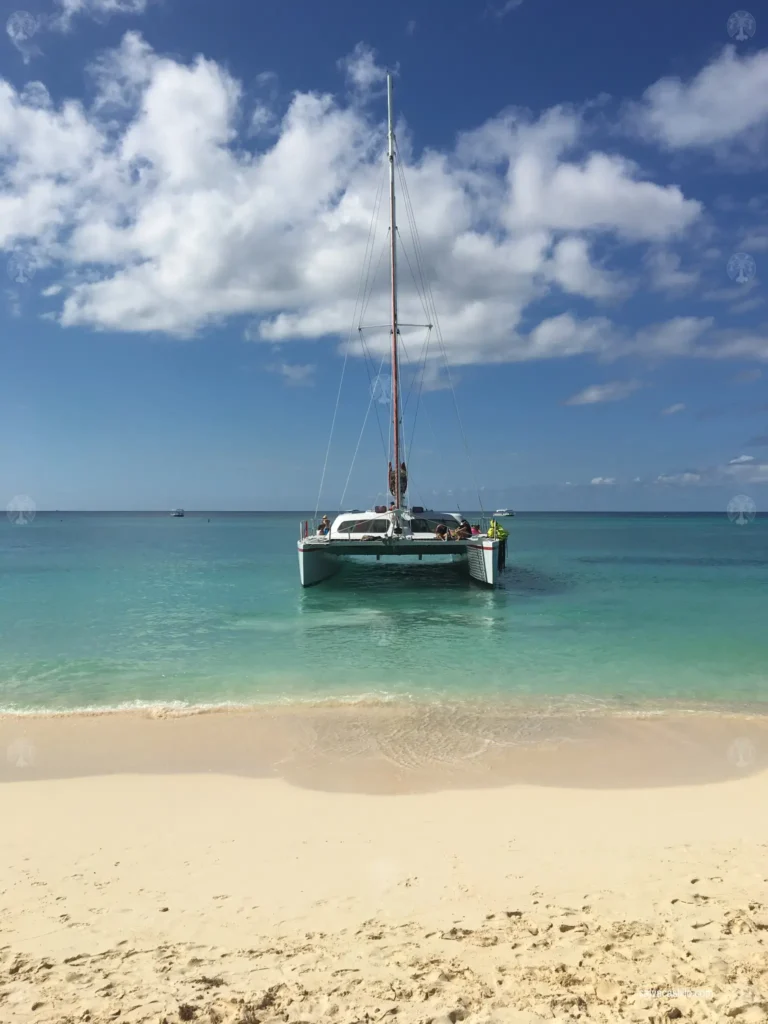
[(304, 512)]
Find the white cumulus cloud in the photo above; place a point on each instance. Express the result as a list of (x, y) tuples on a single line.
[(726, 101), (168, 204)]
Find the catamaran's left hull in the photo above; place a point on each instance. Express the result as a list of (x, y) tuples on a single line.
[(316, 565)]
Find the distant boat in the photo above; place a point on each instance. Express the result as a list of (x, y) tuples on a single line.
[(177, 512), (503, 512)]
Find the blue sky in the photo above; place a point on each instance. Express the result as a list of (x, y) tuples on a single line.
[(187, 195)]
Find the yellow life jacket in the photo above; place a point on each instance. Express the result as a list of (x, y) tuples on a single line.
[(497, 531)]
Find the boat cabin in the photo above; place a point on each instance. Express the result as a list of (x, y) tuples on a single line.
[(420, 525)]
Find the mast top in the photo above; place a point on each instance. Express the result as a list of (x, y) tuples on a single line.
[(390, 116)]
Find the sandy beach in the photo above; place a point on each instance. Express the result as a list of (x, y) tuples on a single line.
[(360, 864)]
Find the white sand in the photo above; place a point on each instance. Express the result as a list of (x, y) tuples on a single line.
[(218, 898)]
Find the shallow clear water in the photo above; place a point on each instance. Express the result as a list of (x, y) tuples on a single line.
[(110, 609)]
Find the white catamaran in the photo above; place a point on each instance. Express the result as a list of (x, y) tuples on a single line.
[(399, 530)]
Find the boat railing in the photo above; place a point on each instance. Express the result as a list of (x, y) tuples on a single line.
[(309, 527)]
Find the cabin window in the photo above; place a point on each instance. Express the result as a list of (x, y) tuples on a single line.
[(363, 526), (430, 525)]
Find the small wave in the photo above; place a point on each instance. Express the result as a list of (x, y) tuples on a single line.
[(180, 709), (533, 707)]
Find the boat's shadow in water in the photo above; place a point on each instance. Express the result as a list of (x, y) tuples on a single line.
[(517, 581), (522, 581)]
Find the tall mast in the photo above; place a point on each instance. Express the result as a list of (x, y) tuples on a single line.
[(393, 275)]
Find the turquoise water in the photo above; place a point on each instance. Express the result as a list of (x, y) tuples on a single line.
[(106, 610)]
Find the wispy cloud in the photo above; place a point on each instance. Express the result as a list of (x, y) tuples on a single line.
[(612, 392), (603, 481), (751, 472), (297, 375), (679, 479), (747, 305), (736, 409), (501, 8), (756, 242), (665, 273), (101, 10), (742, 470), (361, 69), (748, 376), (672, 409)]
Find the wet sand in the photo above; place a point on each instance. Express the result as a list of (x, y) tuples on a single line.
[(384, 863), (397, 747)]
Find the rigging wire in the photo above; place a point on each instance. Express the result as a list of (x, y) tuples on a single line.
[(421, 387), (366, 303), (361, 288), (433, 312), (369, 359), (425, 353), (360, 438)]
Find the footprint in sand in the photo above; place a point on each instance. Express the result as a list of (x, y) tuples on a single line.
[(607, 991)]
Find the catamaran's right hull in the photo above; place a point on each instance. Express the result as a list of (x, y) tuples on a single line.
[(483, 560)]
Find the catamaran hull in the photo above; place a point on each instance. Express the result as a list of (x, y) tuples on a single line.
[(318, 562), (483, 560), (316, 565)]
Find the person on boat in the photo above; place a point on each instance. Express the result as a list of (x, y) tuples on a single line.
[(497, 531), (475, 531), (325, 527), (464, 531), (441, 532)]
